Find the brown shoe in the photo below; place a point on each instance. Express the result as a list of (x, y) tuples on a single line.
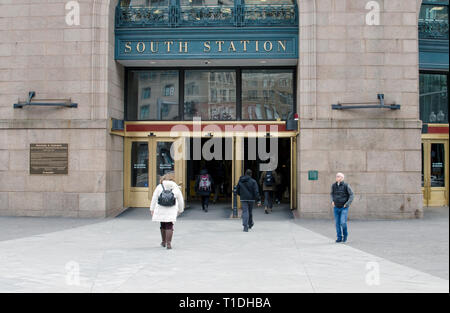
[(163, 236), (169, 234)]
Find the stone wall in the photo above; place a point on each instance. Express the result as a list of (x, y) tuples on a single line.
[(40, 52), (344, 60), (341, 59)]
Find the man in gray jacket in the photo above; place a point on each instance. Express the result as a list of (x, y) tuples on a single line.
[(341, 198)]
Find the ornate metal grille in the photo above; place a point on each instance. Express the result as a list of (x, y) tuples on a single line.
[(191, 16)]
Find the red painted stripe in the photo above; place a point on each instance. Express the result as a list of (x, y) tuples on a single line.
[(437, 130), (190, 127)]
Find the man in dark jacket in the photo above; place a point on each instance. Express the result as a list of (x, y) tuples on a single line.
[(268, 181), (341, 198), (203, 187), (248, 190)]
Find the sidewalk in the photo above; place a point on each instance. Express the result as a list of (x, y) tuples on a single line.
[(210, 254)]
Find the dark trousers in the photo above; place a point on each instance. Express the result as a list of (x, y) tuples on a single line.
[(247, 214), (167, 225), (205, 202), (268, 198), (279, 193)]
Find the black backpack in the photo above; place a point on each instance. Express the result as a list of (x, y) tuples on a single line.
[(166, 198), (269, 180)]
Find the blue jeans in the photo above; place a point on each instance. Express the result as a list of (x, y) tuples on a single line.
[(247, 214), (340, 216), (268, 198)]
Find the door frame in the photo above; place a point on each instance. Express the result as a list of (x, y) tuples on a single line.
[(133, 196), (238, 166), (179, 166), (428, 191), (141, 196)]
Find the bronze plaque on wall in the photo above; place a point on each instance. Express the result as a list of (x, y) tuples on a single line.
[(49, 158)]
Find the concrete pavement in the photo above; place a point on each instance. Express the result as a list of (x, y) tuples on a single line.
[(211, 254)]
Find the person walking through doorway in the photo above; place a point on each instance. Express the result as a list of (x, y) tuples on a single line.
[(341, 199), (268, 182), (203, 187), (219, 175), (167, 203), (248, 190)]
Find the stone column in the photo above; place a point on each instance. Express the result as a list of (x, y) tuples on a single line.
[(342, 59)]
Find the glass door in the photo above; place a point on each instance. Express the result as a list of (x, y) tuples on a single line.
[(136, 173), (435, 172), (163, 160)]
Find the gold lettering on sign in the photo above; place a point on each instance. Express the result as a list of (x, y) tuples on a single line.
[(244, 43), (168, 44), (257, 46), (152, 47), (184, 46), (282, 44), (232, 47), (128, 47), (220, 43), (140, 47), (207, 45), (270, 45)]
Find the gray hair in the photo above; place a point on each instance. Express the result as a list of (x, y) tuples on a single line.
[(340, 174)]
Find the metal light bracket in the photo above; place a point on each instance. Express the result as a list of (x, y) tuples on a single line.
[(45, 102), (370, 105)]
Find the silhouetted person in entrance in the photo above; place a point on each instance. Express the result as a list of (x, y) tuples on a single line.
[(247, 189), (219, 176), (268, 182), (203, 187)]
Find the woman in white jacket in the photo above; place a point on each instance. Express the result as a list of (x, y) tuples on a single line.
[(164, 214)]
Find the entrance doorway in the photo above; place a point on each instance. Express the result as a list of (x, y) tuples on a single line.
[(435, 162), (282, 168), (147, 159), (220, 168)]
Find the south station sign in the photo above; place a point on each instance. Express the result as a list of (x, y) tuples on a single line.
[(169, 46), (162, 48)]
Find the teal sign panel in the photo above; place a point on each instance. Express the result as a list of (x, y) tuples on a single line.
[(179, 44), (313, 175)]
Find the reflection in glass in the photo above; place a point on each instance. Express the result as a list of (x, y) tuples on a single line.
[(433, 98), (207, 2), (144, 3), (139, 164), (164, 161), (267, 94), (269, 2), (152, 95), (210, 95), (437, 165), (433, 21)]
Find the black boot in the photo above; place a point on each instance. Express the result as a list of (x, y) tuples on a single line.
[(163, 237), (169, 234)]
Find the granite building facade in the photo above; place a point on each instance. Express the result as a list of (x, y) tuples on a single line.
[(245, 63)]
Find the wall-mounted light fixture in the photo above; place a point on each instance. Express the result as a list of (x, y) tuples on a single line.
[(44, 102), (370, 105)]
